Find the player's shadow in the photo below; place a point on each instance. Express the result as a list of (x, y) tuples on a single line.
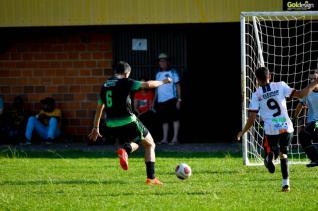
[(132, 193), (63, 182), (210, 172), (14, 152)]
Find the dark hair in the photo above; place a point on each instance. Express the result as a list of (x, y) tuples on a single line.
[(48, 101), (18, 100), (262, 74), (122, 67)]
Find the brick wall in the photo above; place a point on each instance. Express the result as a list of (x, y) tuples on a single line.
[(68, 65)]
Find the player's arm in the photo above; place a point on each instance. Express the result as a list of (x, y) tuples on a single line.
[(250, 121), (94, 134), (304, 92), (154, 83), (98, 115)]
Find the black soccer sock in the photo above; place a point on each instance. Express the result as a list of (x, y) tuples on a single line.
[(284, 167), (128, 148), (150, 168)]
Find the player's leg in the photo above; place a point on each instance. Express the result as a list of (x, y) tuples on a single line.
[(124, 133), (268, 160), (267, 148), (285, 140), (124, 152), (131, 132), (306, 136), (149, 146), (272, 152), (150, 159)]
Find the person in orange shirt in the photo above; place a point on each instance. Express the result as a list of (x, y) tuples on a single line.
[(47, 123)]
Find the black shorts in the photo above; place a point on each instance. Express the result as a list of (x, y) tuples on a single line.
[(312, 130), (167, 111), (132, 132), (277, 143)]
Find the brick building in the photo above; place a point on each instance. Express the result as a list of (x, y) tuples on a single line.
[(65, 49), (68, 65)]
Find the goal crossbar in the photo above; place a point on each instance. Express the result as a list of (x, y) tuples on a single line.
[(279, 13)]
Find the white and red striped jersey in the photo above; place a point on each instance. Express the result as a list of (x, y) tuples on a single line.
[(270, 101)]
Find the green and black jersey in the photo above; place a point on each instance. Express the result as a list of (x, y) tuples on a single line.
[(115, 94)]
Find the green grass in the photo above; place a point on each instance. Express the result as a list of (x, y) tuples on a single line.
[(75, 180)]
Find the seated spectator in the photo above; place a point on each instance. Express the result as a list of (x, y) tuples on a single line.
[(143, 106), (14, 121), (47, 124)]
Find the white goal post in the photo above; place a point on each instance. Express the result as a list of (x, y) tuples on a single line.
[(286, 43)]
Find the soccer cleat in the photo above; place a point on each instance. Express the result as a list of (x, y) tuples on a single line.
[(268, 162), (285, 188), (123, 158), (154, 181), (312, 164)]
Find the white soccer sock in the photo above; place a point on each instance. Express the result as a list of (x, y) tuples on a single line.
[(285, 182)]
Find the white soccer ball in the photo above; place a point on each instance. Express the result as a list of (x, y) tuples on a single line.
[(183, 171)]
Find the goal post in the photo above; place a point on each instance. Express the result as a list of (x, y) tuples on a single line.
[(286, 43)]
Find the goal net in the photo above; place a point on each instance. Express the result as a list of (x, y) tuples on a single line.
[(286, 43)]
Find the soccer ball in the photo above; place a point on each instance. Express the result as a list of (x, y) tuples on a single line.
[(183, 171)]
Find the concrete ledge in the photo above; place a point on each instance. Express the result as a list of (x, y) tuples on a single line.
[(206, 147)]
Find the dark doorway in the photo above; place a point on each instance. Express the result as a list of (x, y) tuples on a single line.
[(208, 56), (211, 86)]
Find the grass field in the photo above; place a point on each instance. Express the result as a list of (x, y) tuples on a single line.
[(79, 180)]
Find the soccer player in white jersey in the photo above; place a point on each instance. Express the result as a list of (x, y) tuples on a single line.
[(269, 100), (310, 133)]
